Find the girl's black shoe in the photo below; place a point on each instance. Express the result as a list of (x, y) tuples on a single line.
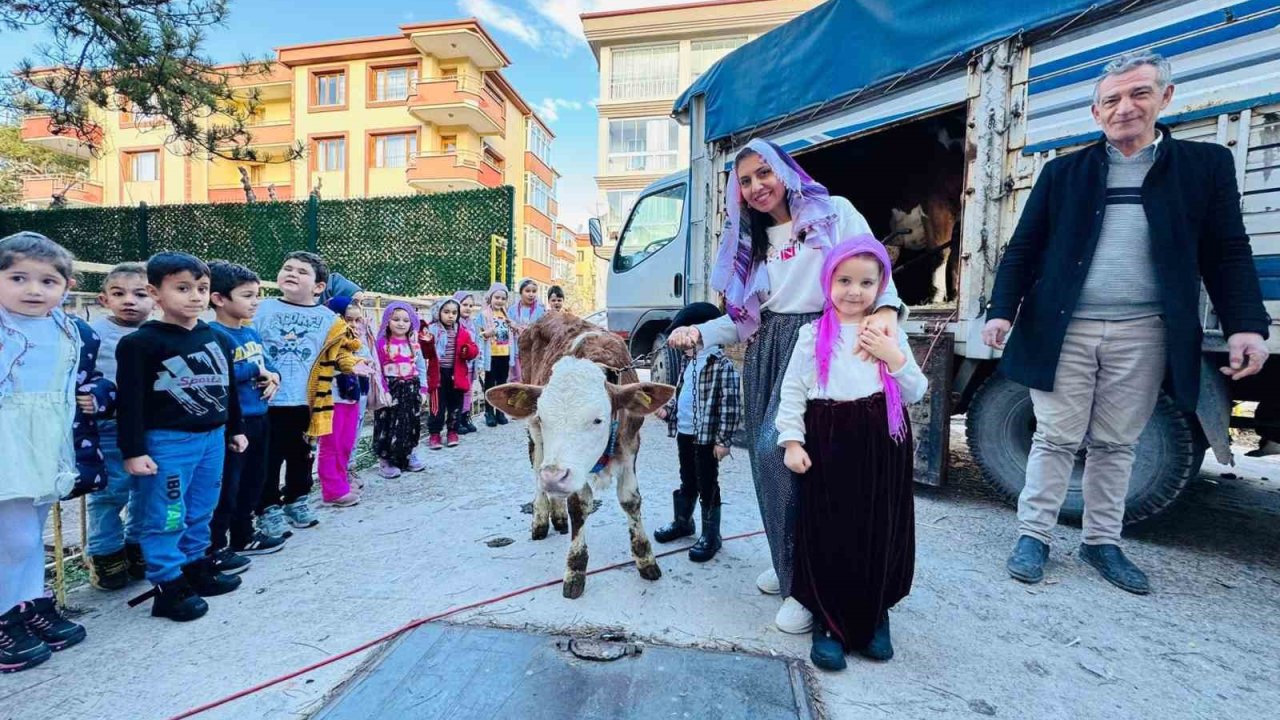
[(827, 653), (881, 646), (45, 622), (19, 648)]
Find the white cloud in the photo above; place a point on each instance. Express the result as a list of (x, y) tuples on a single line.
[(502, 19), (549, 109), (565, 14), (554, 26)]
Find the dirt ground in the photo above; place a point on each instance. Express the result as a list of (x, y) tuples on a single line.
[(969, 640)]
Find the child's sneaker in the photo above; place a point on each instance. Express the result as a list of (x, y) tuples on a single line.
[(137, 564), (345, 501), (452, 439), (262, 544), (178, 601), (45, 622), (271, 523), (226, 561), (19, 648), (387, 470), (109, 572), (300, 514), (433, 443), (205, 579), (415, 463)]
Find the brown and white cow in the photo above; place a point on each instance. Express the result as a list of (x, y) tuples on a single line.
[(584, 421)]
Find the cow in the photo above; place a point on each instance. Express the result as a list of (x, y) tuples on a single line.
[(584, 406)]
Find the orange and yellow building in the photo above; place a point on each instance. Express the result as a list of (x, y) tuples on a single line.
[(424, 110)]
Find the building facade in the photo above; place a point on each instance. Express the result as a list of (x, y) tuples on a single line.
[(424, 110), (647, 57)]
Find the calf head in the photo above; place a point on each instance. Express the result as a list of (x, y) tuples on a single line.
[(910, 229), (572, 417)]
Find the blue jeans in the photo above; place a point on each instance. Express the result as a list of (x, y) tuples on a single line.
[(107, 534), (177, 502)]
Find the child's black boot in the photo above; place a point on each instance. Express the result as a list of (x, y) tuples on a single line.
[(177, 600), (205, 579), (881, 646), (709, 544), (490, 416), (682, 524), (19, 648), (45, 622), (110, 571), (137, 565)]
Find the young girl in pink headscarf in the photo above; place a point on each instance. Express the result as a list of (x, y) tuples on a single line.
[(847, 437)]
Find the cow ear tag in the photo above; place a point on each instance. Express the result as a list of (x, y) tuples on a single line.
[(644, 398), (520, 399)]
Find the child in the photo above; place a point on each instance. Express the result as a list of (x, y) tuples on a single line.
[(179, 412), (115, 557), (398, 429), (844, 427), (471, 321), (555, 299), (703, 416), (528, 310), (334, 455), (234, 293), (448, 349), (499, 350), (307, 344), (43, 353)]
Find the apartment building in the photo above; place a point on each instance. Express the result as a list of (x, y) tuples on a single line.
[(647, 57), (589, 275), (424, 110)]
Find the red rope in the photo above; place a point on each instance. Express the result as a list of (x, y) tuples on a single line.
[(410, 626)]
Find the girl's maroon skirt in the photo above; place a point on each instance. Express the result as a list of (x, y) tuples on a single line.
[(855, 534)]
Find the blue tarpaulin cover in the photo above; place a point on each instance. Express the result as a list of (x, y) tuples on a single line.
[(845, 45)]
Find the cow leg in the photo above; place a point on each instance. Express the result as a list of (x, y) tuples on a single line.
[(559, 518), (541, 502), (940, 277), (575, 574), (629, 499)]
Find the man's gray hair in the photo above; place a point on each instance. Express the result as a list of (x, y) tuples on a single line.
[(1132, 61)]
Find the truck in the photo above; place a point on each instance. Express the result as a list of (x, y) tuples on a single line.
[(928, 110)]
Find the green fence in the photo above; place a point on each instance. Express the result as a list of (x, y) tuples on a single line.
[(411, 245)]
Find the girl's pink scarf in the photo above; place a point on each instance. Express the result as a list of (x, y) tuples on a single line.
[(829, 325), (384, 333)]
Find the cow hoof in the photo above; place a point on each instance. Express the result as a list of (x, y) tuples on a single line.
[(650, 572), (539, 532), (561, 524), (574, 585)]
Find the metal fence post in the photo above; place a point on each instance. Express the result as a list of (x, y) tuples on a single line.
[(144, 231), (313, 223)]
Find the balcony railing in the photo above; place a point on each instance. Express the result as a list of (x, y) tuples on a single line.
[(459, 100), (39, 130), (452, 170), (40, 190), (261, 193), (647, 162)]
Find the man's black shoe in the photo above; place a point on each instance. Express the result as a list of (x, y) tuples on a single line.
[(1115, 568), (1026, 563)]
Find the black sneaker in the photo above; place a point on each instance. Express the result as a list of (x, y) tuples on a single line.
[(45, 622), (263, 545), (177, 601), (19, 648), (226, 561), (137, 565), (207, 581), (109, 572)]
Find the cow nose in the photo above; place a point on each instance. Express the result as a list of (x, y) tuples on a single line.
[(553, 475)]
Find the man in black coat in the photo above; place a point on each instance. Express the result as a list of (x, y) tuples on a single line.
[(1102, 276)]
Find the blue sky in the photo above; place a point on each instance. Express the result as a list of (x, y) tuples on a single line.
[(551, 65)]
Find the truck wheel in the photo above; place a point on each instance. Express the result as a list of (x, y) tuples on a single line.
[(1001, 422), (664, 362)]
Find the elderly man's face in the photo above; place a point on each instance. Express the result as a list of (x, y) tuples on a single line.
[(1128, 105)]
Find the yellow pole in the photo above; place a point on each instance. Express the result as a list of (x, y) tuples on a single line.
[(59, 573)]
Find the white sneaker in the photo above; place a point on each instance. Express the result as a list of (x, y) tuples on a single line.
[(794, 618), (768, 583)]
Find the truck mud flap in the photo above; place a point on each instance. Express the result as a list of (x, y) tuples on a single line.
[(931, 417)]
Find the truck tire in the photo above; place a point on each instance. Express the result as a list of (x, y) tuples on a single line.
[(664, 362), (1000, 424)]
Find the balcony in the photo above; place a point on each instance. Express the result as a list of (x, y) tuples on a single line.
[(454, 170), (278, 133), (39, 130), (459, 100), (235, 193), (39, 190), (454, 41)]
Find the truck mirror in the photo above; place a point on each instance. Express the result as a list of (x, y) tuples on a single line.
[(593, 229)]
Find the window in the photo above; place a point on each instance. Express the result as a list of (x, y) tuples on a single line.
[(707, 52), (620, 202), (255, 174), (331, 154), (449, 143), (538, 194), (654, 224), (393, 151), (144, 166), (537, 245), (390, 84), (540, 143), (645, 72), (331, 89), (643, 145)]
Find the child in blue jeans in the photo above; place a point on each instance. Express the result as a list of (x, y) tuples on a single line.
[(115, 557), (178, 413)]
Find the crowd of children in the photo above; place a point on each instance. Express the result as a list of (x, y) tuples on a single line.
[(181, 430)]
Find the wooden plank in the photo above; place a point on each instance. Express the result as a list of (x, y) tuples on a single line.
[(931, 417)]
